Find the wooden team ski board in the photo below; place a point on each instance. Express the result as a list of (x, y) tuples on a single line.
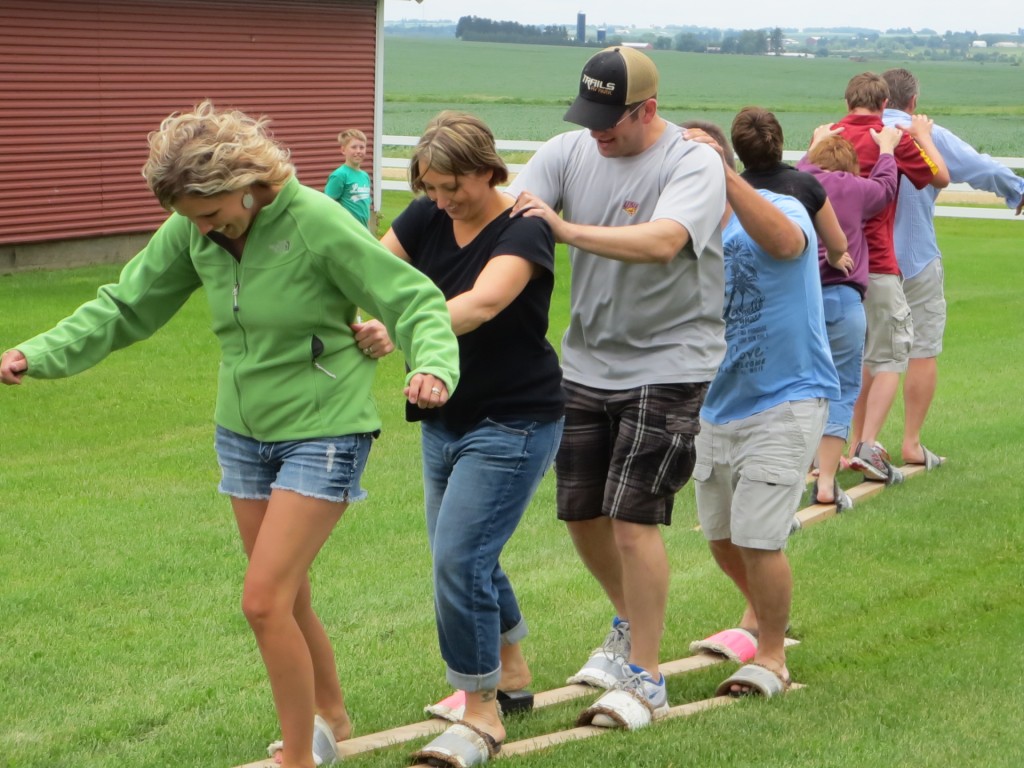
[(429, 727), (816, 513), (589, 731)]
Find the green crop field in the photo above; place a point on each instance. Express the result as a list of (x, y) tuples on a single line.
[(522, 90)]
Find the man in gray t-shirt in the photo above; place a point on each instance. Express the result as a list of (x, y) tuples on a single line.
[(641, 210)]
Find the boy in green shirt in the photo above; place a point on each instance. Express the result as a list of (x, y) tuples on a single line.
[(350, 185)]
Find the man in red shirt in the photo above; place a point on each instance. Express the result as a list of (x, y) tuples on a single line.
[(890, 331)]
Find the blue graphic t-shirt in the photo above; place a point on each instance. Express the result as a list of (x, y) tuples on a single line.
[(776, 346)]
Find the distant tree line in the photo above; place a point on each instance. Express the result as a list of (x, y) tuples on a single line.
[(747, 42), (925, 44), (418, 29), (833, 41), (474, 28)]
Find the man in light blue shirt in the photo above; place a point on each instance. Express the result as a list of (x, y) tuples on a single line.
[(765, 411), (920, 260)]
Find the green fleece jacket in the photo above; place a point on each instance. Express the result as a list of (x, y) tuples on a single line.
[(290, 368)]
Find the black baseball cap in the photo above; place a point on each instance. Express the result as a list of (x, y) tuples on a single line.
[(611, 80)]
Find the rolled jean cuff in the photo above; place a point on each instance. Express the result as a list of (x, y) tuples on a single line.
[(474, 683), (842, 431), (516, 634)]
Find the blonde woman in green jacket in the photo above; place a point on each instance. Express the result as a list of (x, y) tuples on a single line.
[(284, 275)]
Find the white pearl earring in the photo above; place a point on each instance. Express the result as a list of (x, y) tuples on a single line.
[(247, 201)]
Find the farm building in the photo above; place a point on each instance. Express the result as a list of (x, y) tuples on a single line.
[(82, 82)]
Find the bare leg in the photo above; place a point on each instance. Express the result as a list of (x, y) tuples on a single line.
[(595, 542), (482, 711), (515, 672), (918, 390), (288, 534), (329, 699), (879, 402), (645, 576), (730, 560), (482, 706), (770, 583), (765, 580), (860, 409), (830, 449)]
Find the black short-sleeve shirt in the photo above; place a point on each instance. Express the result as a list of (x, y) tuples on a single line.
[(786, 180), (509, 370)]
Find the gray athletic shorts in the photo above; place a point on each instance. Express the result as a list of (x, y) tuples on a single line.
[(890, 327), (928, 309), (751, 473)]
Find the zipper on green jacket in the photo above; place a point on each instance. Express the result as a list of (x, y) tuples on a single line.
[(235, 291)]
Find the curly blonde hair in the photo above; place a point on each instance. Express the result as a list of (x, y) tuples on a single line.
[(456, 144), (208, 152)]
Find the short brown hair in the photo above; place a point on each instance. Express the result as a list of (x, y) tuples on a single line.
[(835, 154), (456, 144), (350, 133), (903, 87), (867, 91), (718, 135), (757, 138)]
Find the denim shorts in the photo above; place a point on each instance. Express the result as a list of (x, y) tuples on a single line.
[(326, 468), (845, 324)]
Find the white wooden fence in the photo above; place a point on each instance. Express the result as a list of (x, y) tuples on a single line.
[(954, 211)]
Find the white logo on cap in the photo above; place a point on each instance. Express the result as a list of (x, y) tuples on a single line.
[(593, 84)]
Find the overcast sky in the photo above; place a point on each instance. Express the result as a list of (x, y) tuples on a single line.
[(957, 15)]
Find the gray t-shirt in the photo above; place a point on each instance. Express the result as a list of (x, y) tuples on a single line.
[(637, 324)]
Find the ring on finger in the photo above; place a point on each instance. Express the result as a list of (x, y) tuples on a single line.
[(435, 391)]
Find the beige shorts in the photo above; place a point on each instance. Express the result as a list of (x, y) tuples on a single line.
[(927, 303), (890, 327), (751, 473)]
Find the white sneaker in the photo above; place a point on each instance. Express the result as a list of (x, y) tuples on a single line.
[(634, 703), (607, 665)]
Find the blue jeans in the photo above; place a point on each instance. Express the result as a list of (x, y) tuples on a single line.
[(846, 325), (476, 487)]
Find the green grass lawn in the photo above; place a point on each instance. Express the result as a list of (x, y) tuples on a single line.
[(122, 642)]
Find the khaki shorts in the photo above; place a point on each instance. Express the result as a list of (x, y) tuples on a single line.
[(890, 327), (928, 309), (750, 473)]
